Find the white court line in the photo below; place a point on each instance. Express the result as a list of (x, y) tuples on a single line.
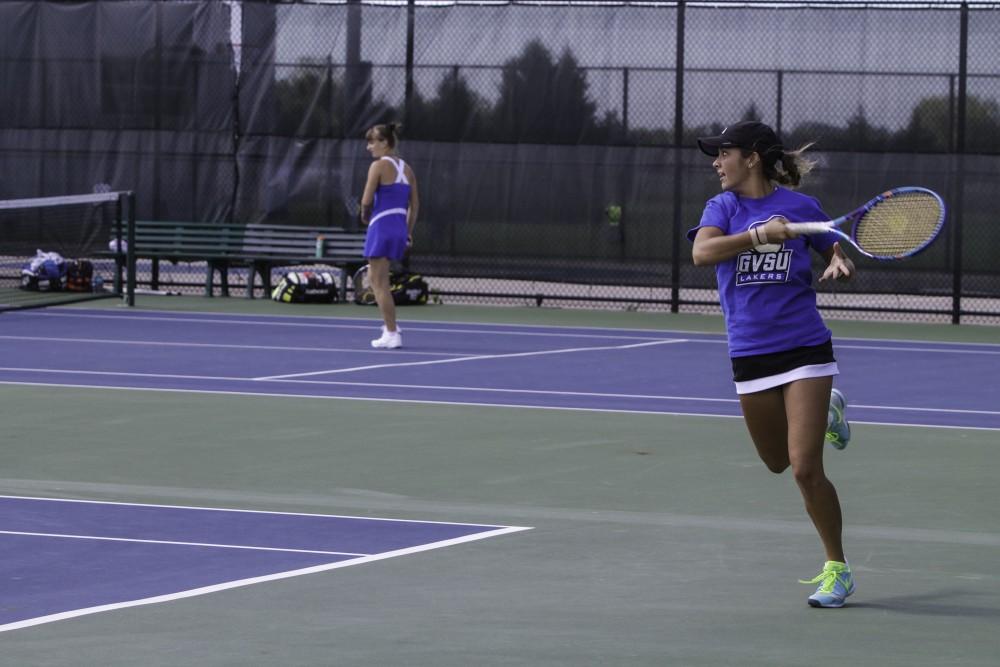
[(270, 348), (838, 346), (360, 350), (199, 508), (887, 348), (255, 580), (414, 401), (183, 544), (479, 357), (663, 397), (653, 334), (387, 385), (264, 319), (174, 376)]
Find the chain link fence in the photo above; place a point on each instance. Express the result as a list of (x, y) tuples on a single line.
[(554, 143)]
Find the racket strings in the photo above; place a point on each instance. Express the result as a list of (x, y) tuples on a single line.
[(899, 225)]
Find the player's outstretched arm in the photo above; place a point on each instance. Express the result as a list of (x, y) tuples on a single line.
[(712, 245)]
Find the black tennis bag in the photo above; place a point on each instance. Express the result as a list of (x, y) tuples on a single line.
[(79, 275), (306, 287), (407, 288)]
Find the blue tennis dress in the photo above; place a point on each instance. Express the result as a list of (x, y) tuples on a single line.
[(387, 232)]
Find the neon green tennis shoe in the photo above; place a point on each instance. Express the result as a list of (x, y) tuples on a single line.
[(838, 430), (836, 583)]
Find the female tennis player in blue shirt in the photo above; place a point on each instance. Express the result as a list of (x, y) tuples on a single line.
[(389, 208), (781, 350)]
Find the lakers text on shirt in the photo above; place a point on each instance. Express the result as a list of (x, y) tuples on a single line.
[(754, 268)]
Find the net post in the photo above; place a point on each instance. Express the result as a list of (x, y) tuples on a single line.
[(117, 245), (130, 251)]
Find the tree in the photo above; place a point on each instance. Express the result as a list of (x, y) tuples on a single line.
[(863, 135), (752, 113), (543, 100), (858, 135), (933, 124), (982, 130), (456, 113), (314, 101), (305, 102), (930, 127)]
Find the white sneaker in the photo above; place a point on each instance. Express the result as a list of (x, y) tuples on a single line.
[(388, 340)]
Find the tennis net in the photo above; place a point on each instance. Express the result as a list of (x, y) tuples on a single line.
[(57, 250)]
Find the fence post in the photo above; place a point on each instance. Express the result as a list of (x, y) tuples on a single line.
[(453, 132), (675, 259), (951, 113), (155, 168), (411, 12), (957, 208), (236, 71), (354, 80), (625, 83), (331, 98), (781, 100)]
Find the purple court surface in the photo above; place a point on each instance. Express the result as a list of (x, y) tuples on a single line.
[(669, 372), (65, 558)]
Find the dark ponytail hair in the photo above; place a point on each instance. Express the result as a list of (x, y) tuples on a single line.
[(387, 131), (789, 167)]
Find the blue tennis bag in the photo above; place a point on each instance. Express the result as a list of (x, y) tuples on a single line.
[(46, 272)]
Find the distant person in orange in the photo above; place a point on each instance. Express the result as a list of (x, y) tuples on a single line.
[(389, 209)]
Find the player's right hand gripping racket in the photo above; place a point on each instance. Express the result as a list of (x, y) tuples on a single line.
[(896, 224)]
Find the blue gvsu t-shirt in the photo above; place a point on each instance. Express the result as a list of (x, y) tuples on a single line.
[(767, 296)]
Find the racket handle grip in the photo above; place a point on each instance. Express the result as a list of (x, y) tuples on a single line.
[(810, 227)]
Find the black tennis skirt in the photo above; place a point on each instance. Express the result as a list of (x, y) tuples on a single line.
[(764, 371)]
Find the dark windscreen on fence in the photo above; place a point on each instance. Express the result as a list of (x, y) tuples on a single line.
[(554, 150)]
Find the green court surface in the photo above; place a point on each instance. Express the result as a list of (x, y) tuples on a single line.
[(656, 540)]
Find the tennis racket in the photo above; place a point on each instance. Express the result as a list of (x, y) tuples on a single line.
[(896, 224)]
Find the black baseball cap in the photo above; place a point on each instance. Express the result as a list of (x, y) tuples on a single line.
[(751, 135)]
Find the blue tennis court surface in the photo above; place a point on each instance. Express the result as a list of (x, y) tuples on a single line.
[(887, 382), (65, 558)]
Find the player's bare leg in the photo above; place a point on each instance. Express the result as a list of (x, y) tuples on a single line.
[(806, 404), (764, 414), (378, 273)]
